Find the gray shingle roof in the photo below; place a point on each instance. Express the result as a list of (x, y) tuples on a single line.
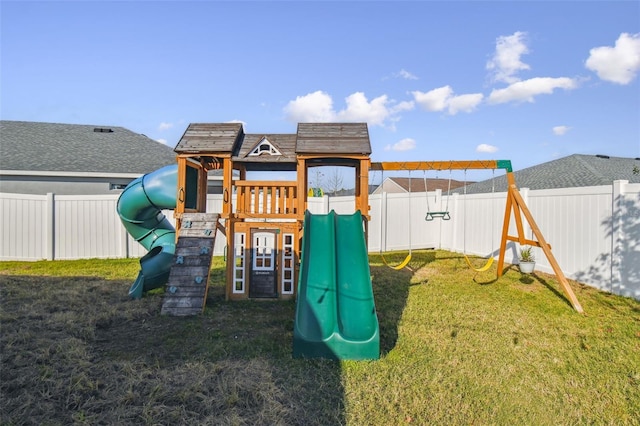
[(36, 146), (432, 184), (573, 171)]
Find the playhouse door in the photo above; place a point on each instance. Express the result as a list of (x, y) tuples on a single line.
[(263, 282)]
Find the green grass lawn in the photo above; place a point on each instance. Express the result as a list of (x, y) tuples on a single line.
[(454, 351)]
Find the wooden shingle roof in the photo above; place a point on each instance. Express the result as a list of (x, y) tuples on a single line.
[(221, 138), (329, 139), (333, 138), (284, 143)]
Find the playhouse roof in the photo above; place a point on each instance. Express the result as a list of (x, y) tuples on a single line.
[(333, 138), (254, 157), (262, 151), (210, 138)]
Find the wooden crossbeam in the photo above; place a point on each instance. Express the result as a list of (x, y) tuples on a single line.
[(443, 165)]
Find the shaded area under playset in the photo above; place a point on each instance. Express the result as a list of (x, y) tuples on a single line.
[(275, 248)]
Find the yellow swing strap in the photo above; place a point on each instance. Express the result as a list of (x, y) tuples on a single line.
[(407, 259), (483, 268), (487, 265)]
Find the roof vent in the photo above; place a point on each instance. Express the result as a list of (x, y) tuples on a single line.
[(602, 156), (102, 130)]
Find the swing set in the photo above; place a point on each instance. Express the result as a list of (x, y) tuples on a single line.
[(515, 207)]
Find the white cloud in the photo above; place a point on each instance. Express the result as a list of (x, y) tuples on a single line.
[(360, 109), (483, 147), (405, 74), (162, 141), (402, 106), (433, 100), (313, 107), (318, 107), (464, 103), (165, 126), (506, 59), (406, 144), (619, 64), (560, 130), (526, 90), (442, 98)]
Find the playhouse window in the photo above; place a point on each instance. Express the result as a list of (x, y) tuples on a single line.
[(264, 147)]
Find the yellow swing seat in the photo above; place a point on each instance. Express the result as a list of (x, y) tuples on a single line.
[(402, 265), (483, 268)]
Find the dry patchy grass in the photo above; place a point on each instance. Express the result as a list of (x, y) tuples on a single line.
[(454, 351)]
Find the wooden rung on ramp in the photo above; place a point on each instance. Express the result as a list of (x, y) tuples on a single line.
[(186, 291)]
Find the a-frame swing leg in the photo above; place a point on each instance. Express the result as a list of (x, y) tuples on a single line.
[(516, 203)]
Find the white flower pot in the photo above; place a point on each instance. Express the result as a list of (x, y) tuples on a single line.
[(527, 267)]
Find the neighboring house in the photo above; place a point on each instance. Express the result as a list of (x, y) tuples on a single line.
[(575, 170), (75, 159), (394, 185)]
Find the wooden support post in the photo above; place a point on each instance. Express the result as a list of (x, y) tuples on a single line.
[(303, 176), (227, 188), (516, 204), (542, 243), (505, 230)]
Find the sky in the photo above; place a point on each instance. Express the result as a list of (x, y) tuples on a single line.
[(435, 80)]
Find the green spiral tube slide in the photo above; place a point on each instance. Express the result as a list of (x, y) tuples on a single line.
[(140, 209)]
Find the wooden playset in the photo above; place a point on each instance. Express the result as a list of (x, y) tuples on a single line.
[(263, 227), (263, 220)]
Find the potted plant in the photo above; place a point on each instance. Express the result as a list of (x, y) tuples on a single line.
[(527, 260)]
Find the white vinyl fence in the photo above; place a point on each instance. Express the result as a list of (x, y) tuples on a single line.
[(594, 232)]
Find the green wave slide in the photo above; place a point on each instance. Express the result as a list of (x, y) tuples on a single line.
[(140, 209), (335, 310)]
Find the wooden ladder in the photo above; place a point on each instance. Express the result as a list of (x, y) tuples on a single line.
[(186, 290)]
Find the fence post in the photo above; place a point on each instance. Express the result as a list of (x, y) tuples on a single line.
[(50, 226), (383, 222), (617, 225), (325, 204), (455, 213), (124, 242)]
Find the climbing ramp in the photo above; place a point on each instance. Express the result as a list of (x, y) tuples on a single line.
[(186, 291)]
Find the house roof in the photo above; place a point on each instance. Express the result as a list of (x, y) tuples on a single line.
[(78, 148), (432, 184), (576, 170)]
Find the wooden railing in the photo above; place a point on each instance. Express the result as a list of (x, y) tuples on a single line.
[(266, 199)]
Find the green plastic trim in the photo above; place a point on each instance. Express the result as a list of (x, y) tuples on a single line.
[(504, 164)]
